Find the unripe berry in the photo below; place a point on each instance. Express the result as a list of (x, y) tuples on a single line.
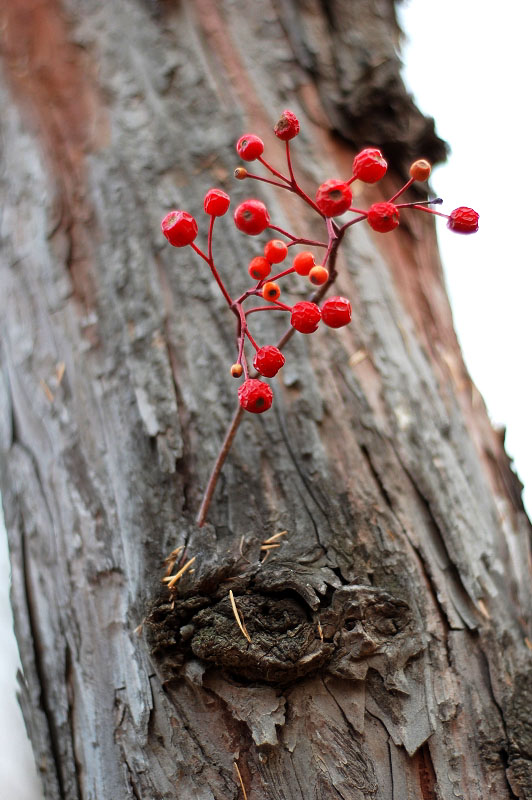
[(236, 370), (287, 127), (275, 251), (463, 220), (303, 262), (305, 317), (216, 202), (318, 275), (180, 228), (252, 217), (249, 147), (333, 197), (420, 170), (259, 268), (369, 165), (336, 312), (255, 396), (240, 173), (271, 291), (268, 361), (383, 217)]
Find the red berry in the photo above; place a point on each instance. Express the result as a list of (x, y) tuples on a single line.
[(268, 361), (336, 312), (216, 202), (271, 291), (249, 147), (463, 220), (420, 170), (287, 127), (318, 275), (275, 251), (236, 370), (333, 198), (305, 317), (259, 268), (303, 262), (369, 165), (383, 217), (255, 396), (180, 228), (252, 217)]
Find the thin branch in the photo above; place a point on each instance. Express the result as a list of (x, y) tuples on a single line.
[(222, 455), (336, 234)]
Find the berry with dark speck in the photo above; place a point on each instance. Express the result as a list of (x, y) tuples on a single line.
[(369, 165), (271, 291), (259, 268), (333, 197), (252, 217), (383, 217), (287, 126), (249, 147), (318, 275), (255, 396), (180, 228)]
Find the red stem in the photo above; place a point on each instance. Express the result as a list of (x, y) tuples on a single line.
[(400, 192), (278, 307), (210, 262), (268, 180), (273, 170), (336, 234), (352, 222), (289, 163), (281, 274), (429, 210), (222, 455)]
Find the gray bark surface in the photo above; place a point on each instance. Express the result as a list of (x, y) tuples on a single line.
[(406, 536)]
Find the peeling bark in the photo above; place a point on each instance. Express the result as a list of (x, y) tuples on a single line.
[(390, 631)]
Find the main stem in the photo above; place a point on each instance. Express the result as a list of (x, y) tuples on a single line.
[(336, 235)]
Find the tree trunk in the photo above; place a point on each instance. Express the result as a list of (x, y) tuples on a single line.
[(389, 648)]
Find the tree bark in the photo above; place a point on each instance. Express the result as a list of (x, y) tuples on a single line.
[(390, 639)]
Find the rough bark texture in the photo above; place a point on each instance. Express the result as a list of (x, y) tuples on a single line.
[(406, 537)]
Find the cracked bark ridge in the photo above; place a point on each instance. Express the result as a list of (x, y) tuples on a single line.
[(351, 50)]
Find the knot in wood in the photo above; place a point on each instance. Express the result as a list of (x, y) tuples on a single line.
[(284, 642)]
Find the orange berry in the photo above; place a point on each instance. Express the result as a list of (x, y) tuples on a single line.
[(240, 173), (420, 170), (275, 251), (236, 370), (303, 262), (318, 275), (270, 291), (259, 268)]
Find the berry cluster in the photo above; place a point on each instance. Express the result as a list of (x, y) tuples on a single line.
[(333, 198)]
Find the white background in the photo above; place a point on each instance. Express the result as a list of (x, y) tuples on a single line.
[(467, 62)]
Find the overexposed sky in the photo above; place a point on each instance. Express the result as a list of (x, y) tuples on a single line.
[(467, 62)]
